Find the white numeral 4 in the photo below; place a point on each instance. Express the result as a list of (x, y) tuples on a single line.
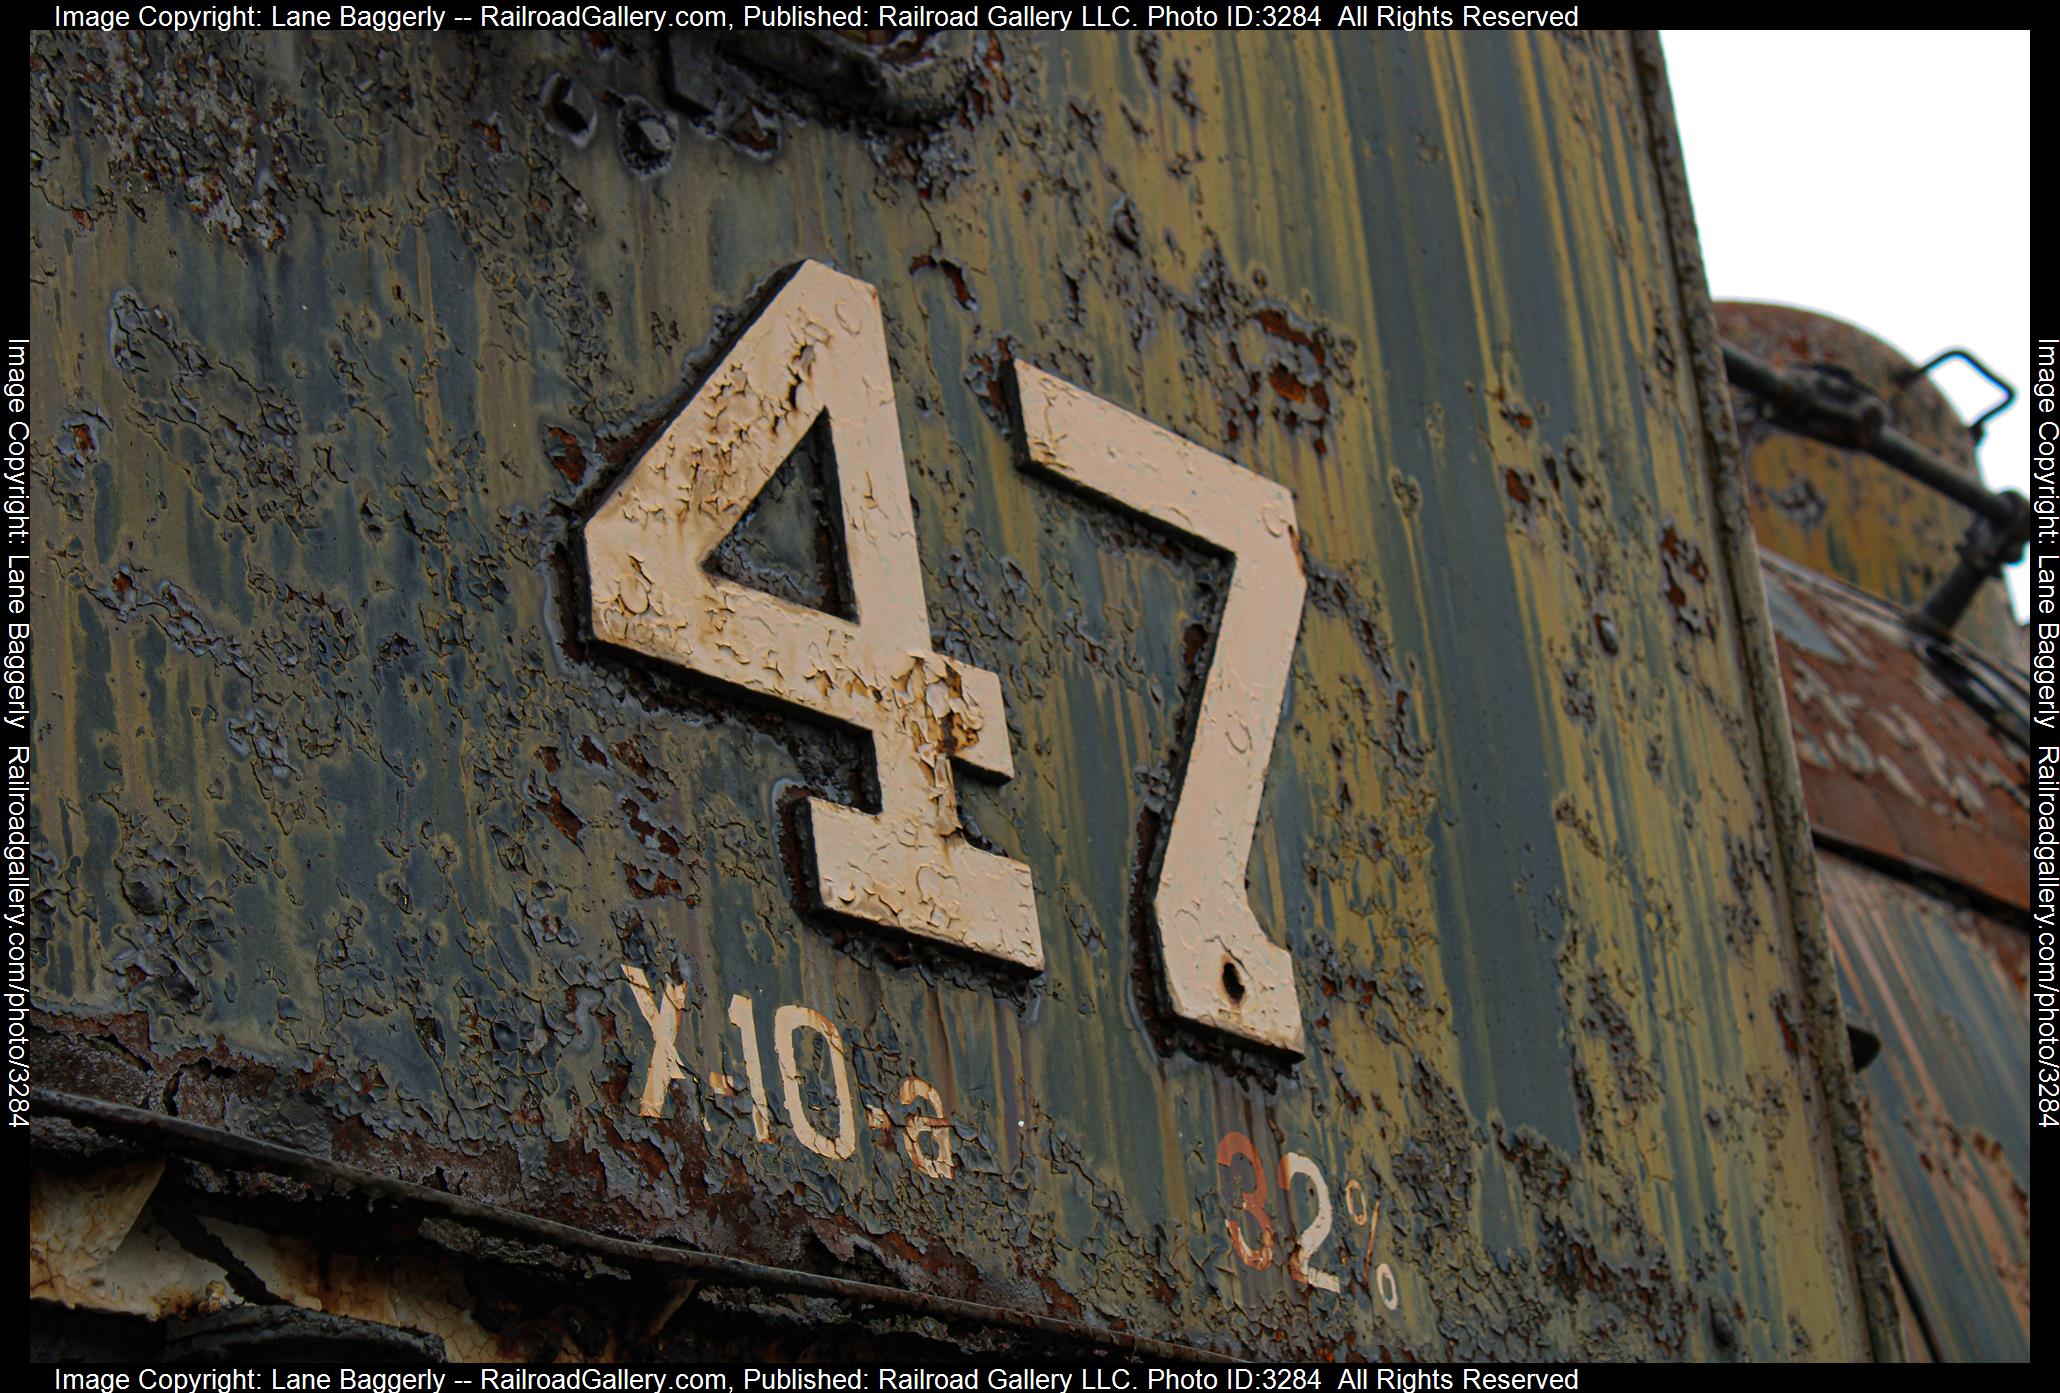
[(820, 348)]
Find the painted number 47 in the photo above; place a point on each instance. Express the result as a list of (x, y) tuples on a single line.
[(819, 349)]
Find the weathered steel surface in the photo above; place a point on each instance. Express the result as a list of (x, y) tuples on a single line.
[(356, 839), (1843, 512), (1894, 762), (1947, 1101)]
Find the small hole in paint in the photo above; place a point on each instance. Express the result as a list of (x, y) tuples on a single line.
[(1233, 982)]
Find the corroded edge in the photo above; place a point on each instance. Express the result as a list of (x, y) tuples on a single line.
[(1824, 1016)]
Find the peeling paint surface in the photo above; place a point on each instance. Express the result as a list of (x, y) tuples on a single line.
[(359, 838), (1894, 761)]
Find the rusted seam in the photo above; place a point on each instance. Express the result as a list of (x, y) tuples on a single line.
[(1932, 880), (708, 1266), (1825, 1018)]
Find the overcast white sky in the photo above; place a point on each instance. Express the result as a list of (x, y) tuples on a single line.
[(1883, 178)]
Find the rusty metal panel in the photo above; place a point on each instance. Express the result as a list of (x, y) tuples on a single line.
[(359, 841), (1841, 511), (1945, 989), (1894, 762)]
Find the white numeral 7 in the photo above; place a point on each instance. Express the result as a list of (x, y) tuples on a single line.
[(1221, 969)]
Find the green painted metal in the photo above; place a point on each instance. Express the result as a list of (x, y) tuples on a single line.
[(350, 828)]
